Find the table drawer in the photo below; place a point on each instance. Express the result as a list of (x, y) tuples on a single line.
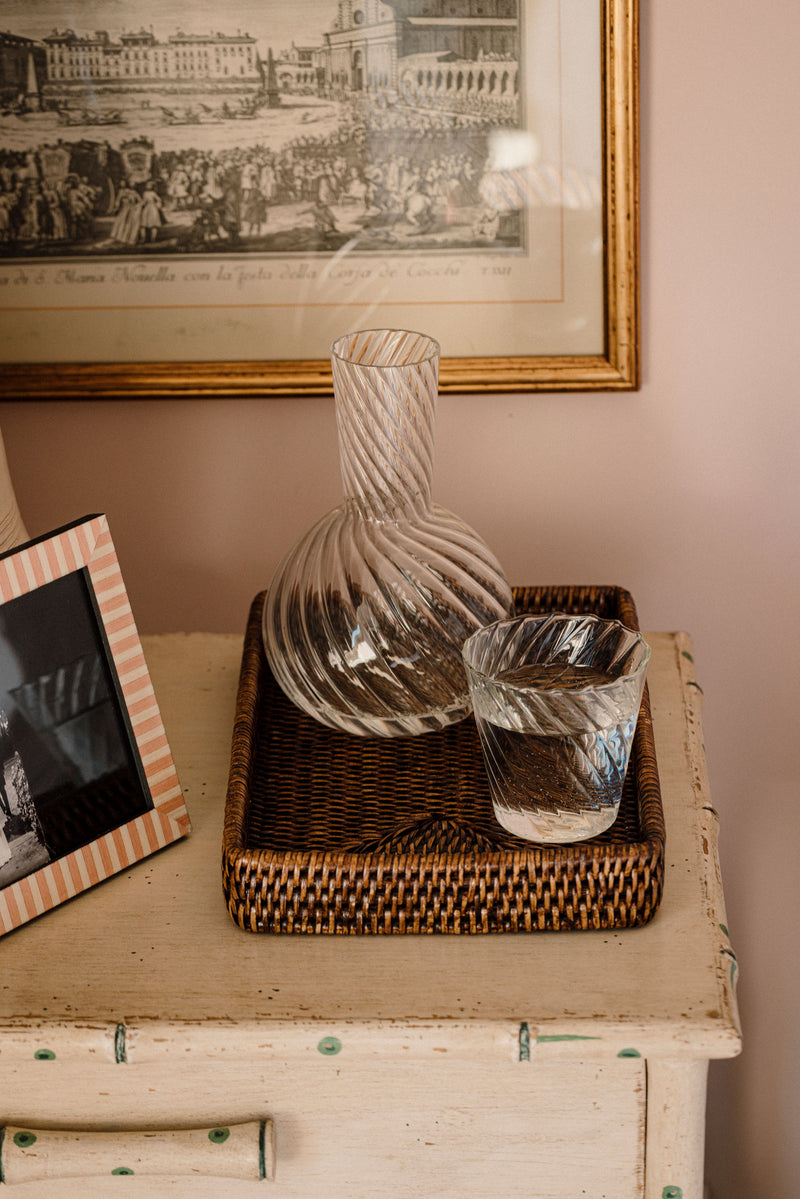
[(347, 1125)]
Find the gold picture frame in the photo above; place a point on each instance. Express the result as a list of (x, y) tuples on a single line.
[(31, 320)]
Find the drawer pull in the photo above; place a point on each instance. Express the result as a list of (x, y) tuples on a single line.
[(225, 1151)]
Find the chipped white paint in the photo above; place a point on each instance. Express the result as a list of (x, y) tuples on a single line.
[(676, 1112)]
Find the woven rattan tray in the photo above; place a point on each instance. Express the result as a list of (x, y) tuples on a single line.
[(331, 833)]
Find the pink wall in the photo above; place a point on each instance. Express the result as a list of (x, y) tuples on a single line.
[(686, 492)]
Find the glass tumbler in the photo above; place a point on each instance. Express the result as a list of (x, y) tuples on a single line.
[(556, 700)]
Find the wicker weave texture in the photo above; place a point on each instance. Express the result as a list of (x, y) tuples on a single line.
[(335, 834)]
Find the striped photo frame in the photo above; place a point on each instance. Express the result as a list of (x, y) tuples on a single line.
[(88, 785)]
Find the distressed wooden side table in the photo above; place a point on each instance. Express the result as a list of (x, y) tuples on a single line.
[(142, 1033)]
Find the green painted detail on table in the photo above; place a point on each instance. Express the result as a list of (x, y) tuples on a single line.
[(565, 1037), (629, 1053), (24, 1140), (724, 928), (262, 1150), (692, 683), (728, 953), (671, 1192), (329, 1045), (524, 1042), (122, 1170), (218, 1136), (120, 1050), (44, 1055), (685, 654)]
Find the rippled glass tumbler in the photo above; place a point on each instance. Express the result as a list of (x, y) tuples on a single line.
[(366, 615), (556, 701)]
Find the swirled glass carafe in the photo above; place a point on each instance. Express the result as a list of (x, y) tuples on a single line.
[(366, 615)]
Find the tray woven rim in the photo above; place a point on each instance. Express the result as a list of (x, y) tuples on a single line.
[(256, 879)]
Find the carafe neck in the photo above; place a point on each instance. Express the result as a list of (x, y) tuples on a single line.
[(385, 418)]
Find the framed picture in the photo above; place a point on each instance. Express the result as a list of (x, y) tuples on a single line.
[(87, 781), (197, 202)]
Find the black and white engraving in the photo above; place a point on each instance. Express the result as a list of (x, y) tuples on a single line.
[(153, 129)]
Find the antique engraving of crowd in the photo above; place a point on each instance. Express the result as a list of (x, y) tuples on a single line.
[(372, 131)]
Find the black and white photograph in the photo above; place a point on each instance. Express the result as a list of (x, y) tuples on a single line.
[(163, 128), (68, 772)]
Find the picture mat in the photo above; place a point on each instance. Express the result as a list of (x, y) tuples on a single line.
[(546, 298)]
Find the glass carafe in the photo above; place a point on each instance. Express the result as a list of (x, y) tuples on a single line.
[(366, 615)]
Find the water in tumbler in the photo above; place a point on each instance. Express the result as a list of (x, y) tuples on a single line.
[(558, 778)]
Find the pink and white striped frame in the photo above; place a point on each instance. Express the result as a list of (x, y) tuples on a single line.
[(87, 544)]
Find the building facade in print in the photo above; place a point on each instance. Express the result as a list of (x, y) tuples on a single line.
[(140, 60), (459, 48), (300, 70)]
